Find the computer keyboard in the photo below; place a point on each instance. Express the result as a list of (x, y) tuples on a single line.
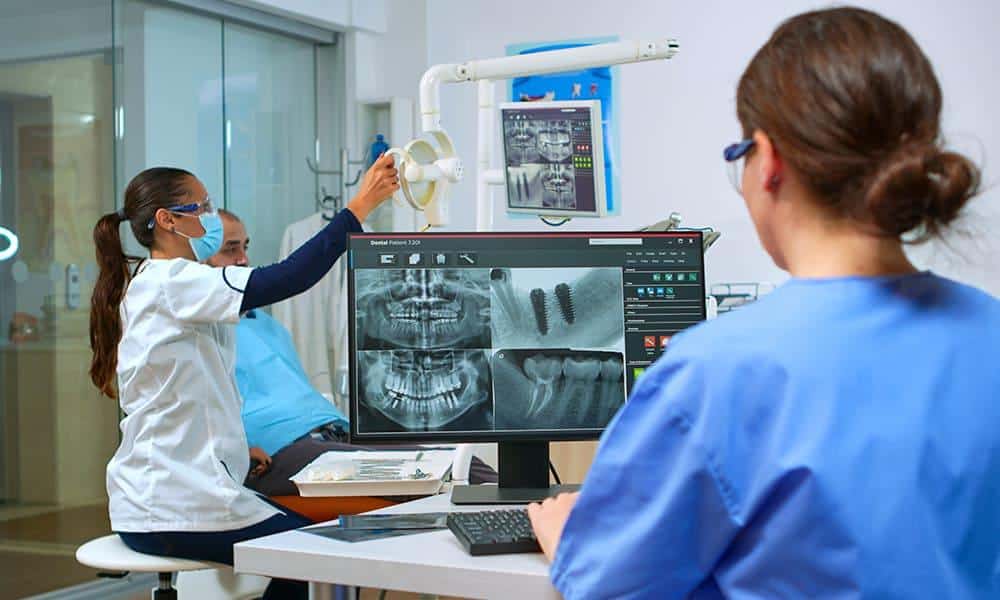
[(494, 531)]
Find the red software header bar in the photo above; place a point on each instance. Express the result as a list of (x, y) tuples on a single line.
[(569, 234)]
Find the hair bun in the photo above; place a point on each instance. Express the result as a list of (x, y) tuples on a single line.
[(920, 185)]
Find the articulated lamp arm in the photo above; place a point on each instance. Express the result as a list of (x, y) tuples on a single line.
[(540, 63), (428, 167)]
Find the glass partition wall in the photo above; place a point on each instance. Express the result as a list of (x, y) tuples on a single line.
[(56, 179), (91, 93), (233, 104)]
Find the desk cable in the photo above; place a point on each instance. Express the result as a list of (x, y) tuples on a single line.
[(555, 475)]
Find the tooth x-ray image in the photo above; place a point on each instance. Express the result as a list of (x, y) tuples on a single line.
[(542, 186), (540, 173), (420, 390), (557, 389), (538, 141), (558, 186), (422, 309), (553, 154), (521, 138), (558, 308), (555, 140)]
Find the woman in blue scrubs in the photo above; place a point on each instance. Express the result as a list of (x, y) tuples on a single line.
[(839, 438)]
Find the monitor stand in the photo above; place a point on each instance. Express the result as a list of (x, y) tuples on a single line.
[(524, 478)]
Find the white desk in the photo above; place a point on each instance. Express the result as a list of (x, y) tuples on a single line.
[(428, 563)]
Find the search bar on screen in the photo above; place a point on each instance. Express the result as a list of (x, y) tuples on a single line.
[(615, 241)]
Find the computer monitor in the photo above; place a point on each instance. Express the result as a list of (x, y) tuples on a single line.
[(554, 158), (515, 338)]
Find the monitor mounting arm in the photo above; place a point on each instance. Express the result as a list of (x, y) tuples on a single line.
[(486, 72)]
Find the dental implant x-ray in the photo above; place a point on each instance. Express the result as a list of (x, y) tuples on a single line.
[(558, 308), (422, 309), (557, 389), (420, 390), (543, 186)]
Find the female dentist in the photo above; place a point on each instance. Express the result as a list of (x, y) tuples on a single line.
[(163, 340), (839, 438)]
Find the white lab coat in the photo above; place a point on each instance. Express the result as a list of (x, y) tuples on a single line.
[(183, 455), (317, 319)]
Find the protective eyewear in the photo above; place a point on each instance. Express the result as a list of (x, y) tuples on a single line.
[(192, 208), (733, 154)]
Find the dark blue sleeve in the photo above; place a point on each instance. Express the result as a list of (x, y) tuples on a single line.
[(303, 268)]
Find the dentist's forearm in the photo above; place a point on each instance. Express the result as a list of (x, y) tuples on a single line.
[(303, 268)]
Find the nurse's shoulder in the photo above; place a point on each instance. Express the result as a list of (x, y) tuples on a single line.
[(713, 365), (740, 332), (192, 291), (155, 276), (963, 299), (166, 269)]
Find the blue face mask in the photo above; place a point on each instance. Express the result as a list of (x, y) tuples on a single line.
[(206, 246)]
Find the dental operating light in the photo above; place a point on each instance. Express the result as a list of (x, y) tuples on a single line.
[(429, 164)]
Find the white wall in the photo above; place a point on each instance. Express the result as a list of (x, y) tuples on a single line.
[(676, 116), (380, 67), (392, 63)]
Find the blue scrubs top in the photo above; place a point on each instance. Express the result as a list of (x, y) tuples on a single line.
[(837, 439), (279, 405)]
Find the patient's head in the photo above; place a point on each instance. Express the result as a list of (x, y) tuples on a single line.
[(234, 242)]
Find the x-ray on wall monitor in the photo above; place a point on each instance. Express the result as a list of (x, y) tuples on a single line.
[(554, 158)]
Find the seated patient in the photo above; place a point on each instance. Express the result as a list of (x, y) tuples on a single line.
[(288, 423)]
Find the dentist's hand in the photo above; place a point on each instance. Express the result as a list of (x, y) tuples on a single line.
[(380, 182)]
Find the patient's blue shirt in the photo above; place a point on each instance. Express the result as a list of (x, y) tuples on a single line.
[(279, 405), (839, 438)]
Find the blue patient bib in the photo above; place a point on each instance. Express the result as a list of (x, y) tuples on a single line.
[(279, 404)]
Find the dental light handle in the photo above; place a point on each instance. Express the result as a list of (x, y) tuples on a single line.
[(398, 160), (402, 162), (426, 171), (446, 168)]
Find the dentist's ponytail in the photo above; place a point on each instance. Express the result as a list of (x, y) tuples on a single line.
[(105, 322), (149, 191)]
